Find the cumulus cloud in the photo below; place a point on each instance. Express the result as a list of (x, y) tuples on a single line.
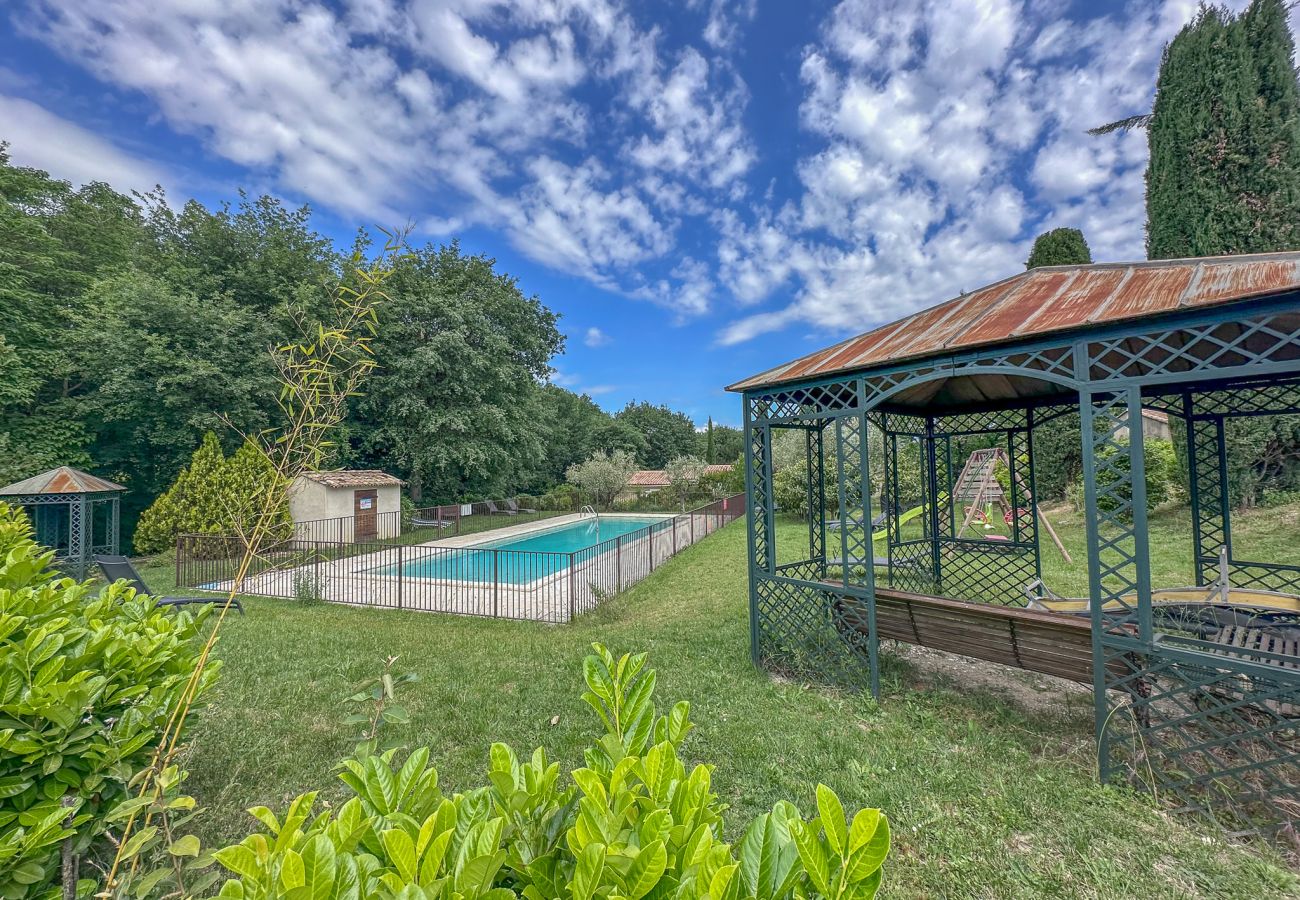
[(594, 337), (930, 142), (452, 113), (951, 133)]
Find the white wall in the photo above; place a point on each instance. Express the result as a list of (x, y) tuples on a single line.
[(309, 501)]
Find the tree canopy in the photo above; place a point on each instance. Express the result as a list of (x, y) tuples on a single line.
[(1059, 247), (667, 434), (134, 326)]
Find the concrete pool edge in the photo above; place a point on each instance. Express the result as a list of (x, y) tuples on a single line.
[(527, 529)]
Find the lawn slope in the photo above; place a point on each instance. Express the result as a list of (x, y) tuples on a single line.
[(987, 798)]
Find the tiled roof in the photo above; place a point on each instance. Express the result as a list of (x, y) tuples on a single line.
[(649, 478), (353, 478), (717, 468), (63, 480), (1045, 300)]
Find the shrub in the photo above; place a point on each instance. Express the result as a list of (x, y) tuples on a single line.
[(213, 495), (724, 484), (1159, 462), (87, 684), (633, 823), (684, 474), (562, 497)]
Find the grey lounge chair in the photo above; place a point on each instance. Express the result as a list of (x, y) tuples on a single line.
[(119, 568), (513, 507), (421, 522), (496, 510)]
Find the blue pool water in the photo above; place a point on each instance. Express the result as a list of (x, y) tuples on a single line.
[(523, 558)]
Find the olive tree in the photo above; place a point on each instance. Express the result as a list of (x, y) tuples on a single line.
[(684, 474), (602, 475)]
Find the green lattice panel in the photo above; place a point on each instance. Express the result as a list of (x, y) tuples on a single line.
[(1199, 349), (1215, 734), (805, 631)]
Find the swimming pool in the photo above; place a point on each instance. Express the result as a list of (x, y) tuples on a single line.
[(525, 557)]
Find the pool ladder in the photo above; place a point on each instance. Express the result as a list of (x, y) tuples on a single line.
[(588, 510)]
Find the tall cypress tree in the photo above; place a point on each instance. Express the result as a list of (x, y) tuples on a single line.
[(1224, 171)]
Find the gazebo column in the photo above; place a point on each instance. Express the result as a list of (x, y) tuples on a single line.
[(1207, 483), (1119, 566), (78, 535)]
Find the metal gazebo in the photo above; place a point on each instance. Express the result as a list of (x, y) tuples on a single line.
[(1197, 698), (74, 513)]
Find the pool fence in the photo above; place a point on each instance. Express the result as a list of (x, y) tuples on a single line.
[(312, 563)]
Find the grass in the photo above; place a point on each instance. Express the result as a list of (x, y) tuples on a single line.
[(1258, 535), (986, 798)]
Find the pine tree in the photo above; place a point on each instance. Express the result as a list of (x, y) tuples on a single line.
[(1059, 247), (1224, 133), (181, 509), (245, 481), (214, 495)]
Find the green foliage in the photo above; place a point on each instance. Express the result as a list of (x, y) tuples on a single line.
[(565, 497), (635, 823), (719, 443), (723, 484), (1159, 461), (603, 475), (1059, 247), (375, 706), (1224, 170), (214, 495), (684, 474), (453, 401), (89, 681), (667, 434)]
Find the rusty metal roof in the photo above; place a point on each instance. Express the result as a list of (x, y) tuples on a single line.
[(1045, 300), (63, 480), (353, 478)]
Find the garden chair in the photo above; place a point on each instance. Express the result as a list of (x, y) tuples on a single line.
[(513, 507), (119, 568), (434, 521), (495, 510), (834, 524)]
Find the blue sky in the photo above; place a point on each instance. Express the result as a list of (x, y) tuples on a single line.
[(702, 189)]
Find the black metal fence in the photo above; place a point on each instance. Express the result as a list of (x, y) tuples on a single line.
[(405, 573)]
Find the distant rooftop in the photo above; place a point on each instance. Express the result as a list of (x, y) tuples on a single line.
[(63, 480), (1045, 300)]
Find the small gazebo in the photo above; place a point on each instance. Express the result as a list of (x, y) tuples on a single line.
[(74, 513)]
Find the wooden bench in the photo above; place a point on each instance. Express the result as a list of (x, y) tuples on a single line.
[(1043, 642)]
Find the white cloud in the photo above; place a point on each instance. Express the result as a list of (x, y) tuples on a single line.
[(43, 140), (594, 337), (953, 133), (453, 113)]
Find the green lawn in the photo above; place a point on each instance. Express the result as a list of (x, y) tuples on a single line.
[(986, 799)]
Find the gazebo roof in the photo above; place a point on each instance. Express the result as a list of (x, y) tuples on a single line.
[(63, 480), (1045, 300)]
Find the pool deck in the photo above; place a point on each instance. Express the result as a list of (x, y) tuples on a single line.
[(362, 581)]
